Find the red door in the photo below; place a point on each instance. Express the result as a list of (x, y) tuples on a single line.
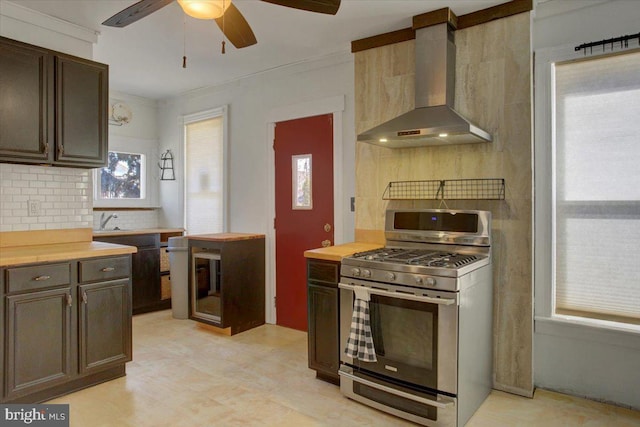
[(304, 208)]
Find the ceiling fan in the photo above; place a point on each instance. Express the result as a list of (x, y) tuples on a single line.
[(234, 26)]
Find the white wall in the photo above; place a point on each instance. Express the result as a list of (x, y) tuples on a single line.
[(29, 26), (251, 102), (140, 135), (584, 360)]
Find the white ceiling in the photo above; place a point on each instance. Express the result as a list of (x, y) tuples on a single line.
[(145, 58)]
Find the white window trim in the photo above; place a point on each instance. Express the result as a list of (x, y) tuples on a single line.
[(546, 322), (197, 117), (148, 147)]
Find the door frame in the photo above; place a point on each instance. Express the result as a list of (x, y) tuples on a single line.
[(333, 105)]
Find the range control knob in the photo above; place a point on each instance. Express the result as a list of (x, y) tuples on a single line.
[(366, 273), (355, 272), (419, 280), (431, 281), (391, 277)]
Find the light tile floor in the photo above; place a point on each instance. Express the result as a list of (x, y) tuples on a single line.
[(184, 375)]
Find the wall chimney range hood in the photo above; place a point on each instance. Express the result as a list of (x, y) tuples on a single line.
[(433, 121)]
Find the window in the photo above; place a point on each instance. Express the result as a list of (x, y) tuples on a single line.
[(205, 172), (123, 177), (596, 192), (130, 177), (301, 171)]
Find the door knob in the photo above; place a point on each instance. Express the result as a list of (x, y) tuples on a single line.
[(326, 243), (327, 227)]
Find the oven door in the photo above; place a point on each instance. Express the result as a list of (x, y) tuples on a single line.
[(414, 331)]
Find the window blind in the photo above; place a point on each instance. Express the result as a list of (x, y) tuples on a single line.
[(204, 180), (597, 187)]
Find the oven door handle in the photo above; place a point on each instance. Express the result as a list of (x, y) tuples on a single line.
[(401, 295), (442, 402)]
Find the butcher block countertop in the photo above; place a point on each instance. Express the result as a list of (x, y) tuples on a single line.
[(336, 253), (26, 247), (107, 233), (225, 237)]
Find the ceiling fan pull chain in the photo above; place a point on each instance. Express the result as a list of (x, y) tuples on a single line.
[(184, 41), (223, 35)]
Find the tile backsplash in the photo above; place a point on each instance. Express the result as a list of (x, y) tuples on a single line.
[(127, 220), (44, 198)]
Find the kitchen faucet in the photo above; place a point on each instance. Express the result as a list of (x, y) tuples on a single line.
[(104, 221)]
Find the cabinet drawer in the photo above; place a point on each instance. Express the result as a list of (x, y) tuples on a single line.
[(326, 272), (138, 240), (21, 279), (104, 269)]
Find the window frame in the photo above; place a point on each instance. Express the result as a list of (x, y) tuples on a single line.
[(222, 111), (546, 320), (149, 149)]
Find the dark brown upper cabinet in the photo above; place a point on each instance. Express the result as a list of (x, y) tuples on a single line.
[(53, 107), (26, 103)]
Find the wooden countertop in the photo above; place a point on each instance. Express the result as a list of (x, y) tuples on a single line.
[(26, 247), (336, 253), (225, 237), (60, 252), (106, 233)]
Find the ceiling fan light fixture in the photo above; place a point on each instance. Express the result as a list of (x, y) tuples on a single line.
[(204, 9)]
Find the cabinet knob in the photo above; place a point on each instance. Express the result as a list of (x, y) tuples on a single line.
[(326, 243), (107, 269), (84, 297), (69, 300), (327, 227), (41, 278)]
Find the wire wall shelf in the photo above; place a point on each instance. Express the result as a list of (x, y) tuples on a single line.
[(449, 189)]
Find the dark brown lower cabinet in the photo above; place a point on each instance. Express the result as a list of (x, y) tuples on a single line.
[(38, 338), (323, 311), (68, 326), (226, 281), (145, 271), (104, 304)]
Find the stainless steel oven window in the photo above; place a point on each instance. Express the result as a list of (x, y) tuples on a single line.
[(405, 331)]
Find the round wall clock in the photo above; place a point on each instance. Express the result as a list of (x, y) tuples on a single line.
[(121, 113)]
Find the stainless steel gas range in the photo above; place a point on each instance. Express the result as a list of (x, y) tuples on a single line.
[(416, 317)]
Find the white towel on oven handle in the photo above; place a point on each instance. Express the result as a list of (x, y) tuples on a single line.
[(360, 342)]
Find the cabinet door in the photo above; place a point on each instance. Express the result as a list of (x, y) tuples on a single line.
[(82, 92), (38, 341), (26, 103), (104, 325), (323, 330), (146, 279)]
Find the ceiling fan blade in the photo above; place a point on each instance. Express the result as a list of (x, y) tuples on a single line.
[(329, 7), (236, 28), (135, 12)]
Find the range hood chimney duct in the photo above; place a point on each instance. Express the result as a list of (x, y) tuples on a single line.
[(433, 121)]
